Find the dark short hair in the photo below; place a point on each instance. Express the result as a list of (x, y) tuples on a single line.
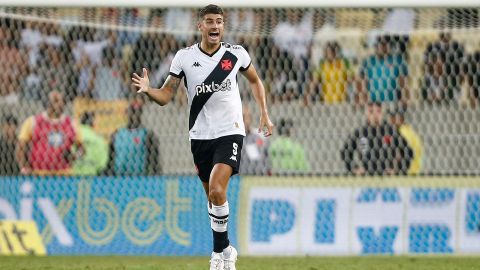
[(374, 104), (210, 9)]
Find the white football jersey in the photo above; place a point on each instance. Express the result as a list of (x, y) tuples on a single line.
[(212, 89)]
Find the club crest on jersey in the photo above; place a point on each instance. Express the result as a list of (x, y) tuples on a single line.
[(213, 87), (226, 64)]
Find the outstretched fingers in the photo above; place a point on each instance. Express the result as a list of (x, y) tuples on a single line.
[(136, 76)]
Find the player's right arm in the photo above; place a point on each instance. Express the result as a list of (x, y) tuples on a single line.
[(161, 96)]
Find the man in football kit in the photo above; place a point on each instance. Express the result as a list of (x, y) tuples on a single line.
[(216, 127)]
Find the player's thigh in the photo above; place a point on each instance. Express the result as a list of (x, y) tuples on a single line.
[(202, 152), (227, 150)]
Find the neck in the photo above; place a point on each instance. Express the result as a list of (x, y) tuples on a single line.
[(208, 47), (133, 126), (53, 115)]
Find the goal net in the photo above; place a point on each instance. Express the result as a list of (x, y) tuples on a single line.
[(320, 67), (370, 105)]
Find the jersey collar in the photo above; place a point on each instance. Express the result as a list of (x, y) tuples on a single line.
[(210, 54)]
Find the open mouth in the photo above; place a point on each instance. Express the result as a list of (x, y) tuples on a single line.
[(214, 34)]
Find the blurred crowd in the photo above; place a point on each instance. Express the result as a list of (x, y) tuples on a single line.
[(298, 53)]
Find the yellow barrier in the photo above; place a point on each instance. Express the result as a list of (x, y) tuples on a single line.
[(20, 238)]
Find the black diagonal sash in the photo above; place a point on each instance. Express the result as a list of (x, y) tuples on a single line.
[(217, 76)]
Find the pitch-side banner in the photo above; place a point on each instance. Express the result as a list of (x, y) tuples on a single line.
[(336, 217), (116, 215)]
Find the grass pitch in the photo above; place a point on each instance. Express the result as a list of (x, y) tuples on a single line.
[(244, 263)]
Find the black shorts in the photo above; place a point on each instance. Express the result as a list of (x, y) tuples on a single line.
[(207, 153)]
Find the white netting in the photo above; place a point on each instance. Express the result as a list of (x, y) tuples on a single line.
[(320, 68)]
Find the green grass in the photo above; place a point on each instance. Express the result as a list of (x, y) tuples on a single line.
[(244, 263)]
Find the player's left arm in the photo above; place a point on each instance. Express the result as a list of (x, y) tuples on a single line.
[(259, 93)]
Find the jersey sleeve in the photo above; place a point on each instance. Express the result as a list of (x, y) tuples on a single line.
[(26, 130), (176, 69), (244, 59)]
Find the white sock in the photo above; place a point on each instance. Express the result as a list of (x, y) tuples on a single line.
[(218, 222), (219, 217)]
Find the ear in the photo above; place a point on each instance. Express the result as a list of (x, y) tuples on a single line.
[(199, 25)]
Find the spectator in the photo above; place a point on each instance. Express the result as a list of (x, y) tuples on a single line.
[(436, 86), (287, 155), (88, 41), (397, 120), (46, 139), (31, 39), (242, 22), (331, 77), (8, 141), (384, 74), (85, 77), (472, 74), (109, 78), (147, 50), (443, 60), (134, 149), (13, 62), (380, 149), (96, 149), (56, 72), (35, 35), (179, 21), (131, 17), (293, 38), (294, 34), (255, 149), (399, 21), (155, 52)]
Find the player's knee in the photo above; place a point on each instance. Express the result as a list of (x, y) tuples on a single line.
[(217, 195)]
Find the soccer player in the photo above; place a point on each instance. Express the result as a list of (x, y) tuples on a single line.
[(216, 127)]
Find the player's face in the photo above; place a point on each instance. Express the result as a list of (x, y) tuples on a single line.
[(57, 104), (374, 114), (211, 27)]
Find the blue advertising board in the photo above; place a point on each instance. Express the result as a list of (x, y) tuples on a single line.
[(115, 215)]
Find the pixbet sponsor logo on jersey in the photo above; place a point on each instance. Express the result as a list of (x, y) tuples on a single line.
[(213, 87)]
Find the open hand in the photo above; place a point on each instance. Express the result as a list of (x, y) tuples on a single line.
[(142, 84)]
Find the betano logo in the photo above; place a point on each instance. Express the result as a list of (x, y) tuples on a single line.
[(213, 87)]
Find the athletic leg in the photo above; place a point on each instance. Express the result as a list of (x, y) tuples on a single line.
[(226, 163), (218, 207)]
